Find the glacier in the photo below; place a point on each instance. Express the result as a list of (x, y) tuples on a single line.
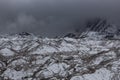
[(34, 58)]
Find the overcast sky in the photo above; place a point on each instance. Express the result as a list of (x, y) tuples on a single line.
[(53, 17)]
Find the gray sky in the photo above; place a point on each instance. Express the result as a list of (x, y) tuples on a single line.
[(53, 17)]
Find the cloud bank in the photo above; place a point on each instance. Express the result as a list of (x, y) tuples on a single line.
[(53, 17)]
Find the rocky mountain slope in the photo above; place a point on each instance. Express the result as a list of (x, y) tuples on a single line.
[(33, 58)]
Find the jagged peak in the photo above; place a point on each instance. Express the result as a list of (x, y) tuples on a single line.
[(101, 25)]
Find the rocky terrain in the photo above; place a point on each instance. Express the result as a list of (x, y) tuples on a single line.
[(33, 58)]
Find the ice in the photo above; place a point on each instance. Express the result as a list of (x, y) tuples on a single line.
[(6, 52), (101, 74), (34, 58)]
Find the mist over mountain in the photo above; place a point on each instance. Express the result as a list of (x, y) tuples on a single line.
[(52, 17)]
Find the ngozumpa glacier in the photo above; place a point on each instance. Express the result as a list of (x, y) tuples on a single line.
[(93, 55)]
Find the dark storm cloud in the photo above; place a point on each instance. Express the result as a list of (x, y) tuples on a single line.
[(53, 17)]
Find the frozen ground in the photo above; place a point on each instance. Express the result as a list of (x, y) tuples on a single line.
[(33, 58)]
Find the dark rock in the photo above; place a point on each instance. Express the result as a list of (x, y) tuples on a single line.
[(24, 34), (109, 36), (70, 35)]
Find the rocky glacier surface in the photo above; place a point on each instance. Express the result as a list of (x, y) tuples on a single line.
[(33, 58)]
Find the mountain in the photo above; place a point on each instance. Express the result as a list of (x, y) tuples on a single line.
[(103, 27), (32, 58)]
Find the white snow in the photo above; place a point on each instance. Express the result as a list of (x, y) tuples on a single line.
[(6, 52), (101, 74), (15, 75), (59, 57)]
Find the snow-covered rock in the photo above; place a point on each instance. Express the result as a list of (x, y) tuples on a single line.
[(32, 58)]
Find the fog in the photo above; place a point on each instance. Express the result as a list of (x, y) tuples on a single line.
[(54, 17)]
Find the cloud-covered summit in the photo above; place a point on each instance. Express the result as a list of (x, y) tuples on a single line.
[(53, 17)]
